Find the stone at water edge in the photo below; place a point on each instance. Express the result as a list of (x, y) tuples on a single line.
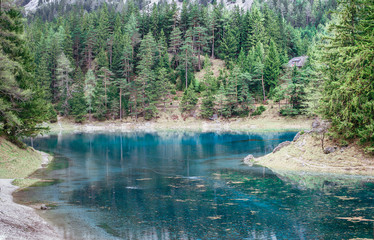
[(44, 207), (281, 145), (328, 150), (249, 159)]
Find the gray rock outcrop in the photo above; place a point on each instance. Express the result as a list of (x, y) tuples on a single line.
[(281, 145)]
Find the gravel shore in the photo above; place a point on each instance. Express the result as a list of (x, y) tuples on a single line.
[(21, 222)]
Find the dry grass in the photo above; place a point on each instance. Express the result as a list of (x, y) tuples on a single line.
[(306, 155), (216, 64)]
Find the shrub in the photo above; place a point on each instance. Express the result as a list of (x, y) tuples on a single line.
[(259, 110), (289, 111)]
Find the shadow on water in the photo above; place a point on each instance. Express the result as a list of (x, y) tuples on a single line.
[(193, 186)]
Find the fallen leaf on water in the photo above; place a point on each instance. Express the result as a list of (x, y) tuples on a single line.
[(215, 217), (345, 198), (356, 219)]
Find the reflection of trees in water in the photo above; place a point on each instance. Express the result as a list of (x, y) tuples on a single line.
[(312, 211), (188, 207), (139, 194)]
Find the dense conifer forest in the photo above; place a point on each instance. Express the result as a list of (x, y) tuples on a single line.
[(90, 62)]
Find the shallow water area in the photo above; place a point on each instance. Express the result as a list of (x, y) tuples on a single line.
[(190, 185)]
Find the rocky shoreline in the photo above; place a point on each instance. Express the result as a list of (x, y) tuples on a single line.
[(22, 222), (270, 123)]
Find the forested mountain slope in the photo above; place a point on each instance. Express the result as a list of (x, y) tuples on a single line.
[(101, 61), (110, 64)]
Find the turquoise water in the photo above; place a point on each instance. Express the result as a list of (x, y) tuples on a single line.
[(171, 185)]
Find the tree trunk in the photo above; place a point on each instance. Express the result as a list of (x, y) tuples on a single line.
[(186, 69), (106, 102), (66, 98), (120, 104), (199, 64), (213, 43), (263, 87)]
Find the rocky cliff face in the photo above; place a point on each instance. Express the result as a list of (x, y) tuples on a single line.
[(33, 5)]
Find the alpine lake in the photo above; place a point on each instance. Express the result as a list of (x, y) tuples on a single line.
[(191, 185)]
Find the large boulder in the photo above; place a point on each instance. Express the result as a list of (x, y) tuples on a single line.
[(281, 145)]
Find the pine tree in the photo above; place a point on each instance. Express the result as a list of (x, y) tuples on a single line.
[(212, 26), (229, 44), (77, 102), (148, 94), (103, 28), (348, 57), (189, 100), (164, 86), (175, 44), (89, 91), (64, 82), (201, 40), (207, 105), (186, 57), (22, 104), (271, 67), (297, 91), (221, 100), (106, 77), (132, 30), (209, 81)]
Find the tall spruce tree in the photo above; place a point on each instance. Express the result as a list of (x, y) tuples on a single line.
[(348, 95), (89, 91), (22, 106), (271, 67), (187, 58), (64, 82)]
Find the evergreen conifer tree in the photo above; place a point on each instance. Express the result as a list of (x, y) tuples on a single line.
[(271, 67)]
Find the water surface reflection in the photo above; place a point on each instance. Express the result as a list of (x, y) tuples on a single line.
[(193, 186)]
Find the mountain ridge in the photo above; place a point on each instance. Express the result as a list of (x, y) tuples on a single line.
[(32, 5)]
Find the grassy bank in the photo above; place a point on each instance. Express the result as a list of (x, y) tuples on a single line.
[(18, 164)]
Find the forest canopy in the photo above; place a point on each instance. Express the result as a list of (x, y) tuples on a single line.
[(87, 61)]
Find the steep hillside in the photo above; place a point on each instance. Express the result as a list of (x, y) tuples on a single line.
[(16, 162)]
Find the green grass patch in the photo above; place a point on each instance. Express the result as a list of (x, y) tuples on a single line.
[(16, 162), (23, 183), (46, 182), (109, 229), (58, 163)]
